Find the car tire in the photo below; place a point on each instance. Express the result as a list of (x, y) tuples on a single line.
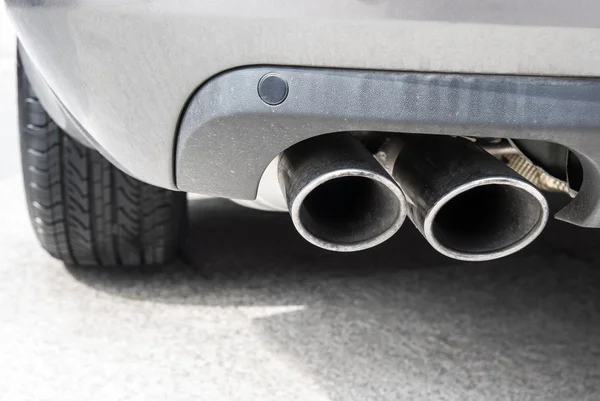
[(85, 211)]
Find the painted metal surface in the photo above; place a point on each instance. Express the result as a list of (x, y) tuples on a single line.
[(125, 69)]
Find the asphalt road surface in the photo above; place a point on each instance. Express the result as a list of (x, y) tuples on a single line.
[(255, 313)]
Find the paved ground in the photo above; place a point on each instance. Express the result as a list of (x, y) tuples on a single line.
[(254, 313)]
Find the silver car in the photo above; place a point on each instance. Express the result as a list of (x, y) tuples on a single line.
[(356, 116)]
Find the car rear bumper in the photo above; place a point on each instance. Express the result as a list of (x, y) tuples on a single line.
[(125, 70)]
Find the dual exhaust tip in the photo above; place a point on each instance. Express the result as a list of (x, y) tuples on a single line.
[(467, 204), (339, 197)]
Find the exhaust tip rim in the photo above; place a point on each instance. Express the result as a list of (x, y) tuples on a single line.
[(527, 239), (388, 183)]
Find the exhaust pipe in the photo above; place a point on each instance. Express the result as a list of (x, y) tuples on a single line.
[(468, 205), (339, 197)]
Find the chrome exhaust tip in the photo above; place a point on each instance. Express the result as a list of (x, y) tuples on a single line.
[(515, 215), (467, 204), (339, 197)]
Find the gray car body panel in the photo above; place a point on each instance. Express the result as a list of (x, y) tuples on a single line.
[(125, 69)]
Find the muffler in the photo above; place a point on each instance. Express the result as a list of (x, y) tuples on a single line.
[(468, 205), (339, 197)]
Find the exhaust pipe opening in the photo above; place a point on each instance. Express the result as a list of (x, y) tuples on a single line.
[(339, 197), (468, 205), (485, 220), (349, 211)]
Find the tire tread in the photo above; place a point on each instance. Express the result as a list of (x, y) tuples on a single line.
[(83, 209)]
